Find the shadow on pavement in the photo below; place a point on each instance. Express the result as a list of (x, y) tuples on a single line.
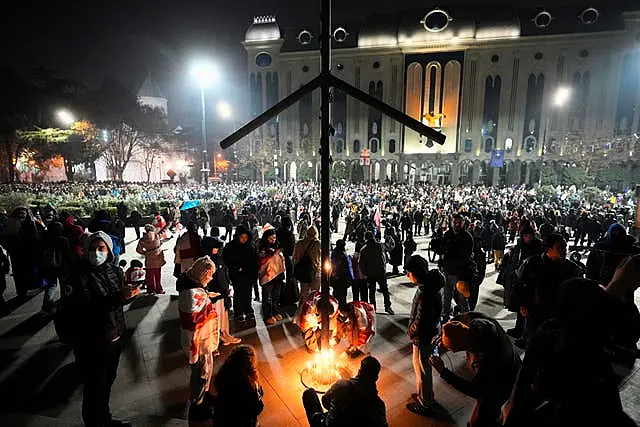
[(22, 389)]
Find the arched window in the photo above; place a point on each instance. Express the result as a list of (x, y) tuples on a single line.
[(338, 146), (488, 144), (467, 145), (356, 146), (289, 147), (392, 146), (374, 145)]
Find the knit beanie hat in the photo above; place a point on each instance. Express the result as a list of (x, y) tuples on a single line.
[(201, 270), (456, 336)]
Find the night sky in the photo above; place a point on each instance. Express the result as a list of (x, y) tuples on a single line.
[(89, 41)]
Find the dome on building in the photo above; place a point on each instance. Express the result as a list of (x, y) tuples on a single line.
[(264, 28)]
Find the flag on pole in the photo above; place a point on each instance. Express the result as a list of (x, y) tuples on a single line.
[(497, 159)]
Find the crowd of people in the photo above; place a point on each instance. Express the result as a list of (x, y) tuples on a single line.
[(573, 318)]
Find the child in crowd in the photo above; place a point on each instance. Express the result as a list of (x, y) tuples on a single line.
[(134, 275), (151, 247)]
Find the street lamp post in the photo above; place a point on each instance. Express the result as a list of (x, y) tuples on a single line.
[(560, 98), (205, 156), (204, 74)]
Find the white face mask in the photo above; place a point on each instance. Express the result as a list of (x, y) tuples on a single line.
[(98, 258)]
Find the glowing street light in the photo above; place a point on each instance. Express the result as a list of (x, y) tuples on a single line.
[(205, 75), (224, 109), (65, 117), (561, 96)]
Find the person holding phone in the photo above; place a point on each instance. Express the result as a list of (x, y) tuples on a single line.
[(424, 325)]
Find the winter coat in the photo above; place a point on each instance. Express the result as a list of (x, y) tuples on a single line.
[(395, 254), (73, 233), (410, 246), (510, 265), (199, 322), (372, 260), (287, 241), (310, 246), (498, 242), (341, 269), (54, 246), (496, 371), (426, 309), (242, 260), (220, 281), (94, 294), (150, 247), (458, 250), (354, 402), (539, 278)]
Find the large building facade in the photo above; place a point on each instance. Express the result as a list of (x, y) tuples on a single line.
[(516, 92)]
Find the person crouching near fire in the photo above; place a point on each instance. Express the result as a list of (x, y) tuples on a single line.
[(199, 333)]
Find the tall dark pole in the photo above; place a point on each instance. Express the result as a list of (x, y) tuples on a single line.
[(205, 155), (325, 112)]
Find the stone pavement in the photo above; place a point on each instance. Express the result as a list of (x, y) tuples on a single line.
[(39, 387)]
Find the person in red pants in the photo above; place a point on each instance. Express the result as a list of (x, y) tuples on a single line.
[(150, 247)]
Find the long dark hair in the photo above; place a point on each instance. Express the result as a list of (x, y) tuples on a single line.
[(239, 370)]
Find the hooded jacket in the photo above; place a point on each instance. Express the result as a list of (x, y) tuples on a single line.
[(354, 402), (151, 247), (95, 296), (241, 258)]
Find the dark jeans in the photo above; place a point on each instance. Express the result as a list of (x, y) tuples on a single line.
[(242, 288), (98, 366), (340, 293), (137, 230), (359, 288), (384, 290), (312, 407), (271, 298)]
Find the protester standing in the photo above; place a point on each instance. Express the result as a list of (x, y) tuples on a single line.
[(242, 259), (150, 247)]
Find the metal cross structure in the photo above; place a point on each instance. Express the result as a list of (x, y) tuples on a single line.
[(325, 81)]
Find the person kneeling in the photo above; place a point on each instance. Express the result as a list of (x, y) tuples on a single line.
[(349, 402)]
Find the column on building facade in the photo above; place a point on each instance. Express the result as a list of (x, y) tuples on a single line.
[(527, 176), (475, 172), (455, 172)]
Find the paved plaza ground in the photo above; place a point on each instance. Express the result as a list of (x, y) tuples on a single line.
[(39, 387)]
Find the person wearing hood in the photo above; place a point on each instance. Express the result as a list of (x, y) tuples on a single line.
[(199, 333), (491, 358), (608, 253), (94, 294), (241, 258), (309, 247), (212, 248), (424, 325), (150, 247), (271, 275), (55, 261)]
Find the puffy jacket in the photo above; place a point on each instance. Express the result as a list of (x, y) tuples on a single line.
[(151, 248)]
